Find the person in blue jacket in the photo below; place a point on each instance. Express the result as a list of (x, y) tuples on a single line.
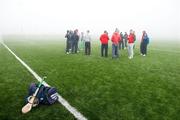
[(75, 40), (144, 43)]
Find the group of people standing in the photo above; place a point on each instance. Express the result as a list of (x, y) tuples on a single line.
[(72, 42), (119, 41)]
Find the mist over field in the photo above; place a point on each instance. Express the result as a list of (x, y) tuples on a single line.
[(53, 17)]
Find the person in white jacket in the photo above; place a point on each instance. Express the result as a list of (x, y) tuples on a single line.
[(87, 39)]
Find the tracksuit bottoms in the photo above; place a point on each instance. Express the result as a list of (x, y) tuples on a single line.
[(130, 50)]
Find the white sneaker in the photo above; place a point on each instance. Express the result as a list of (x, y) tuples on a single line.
[(130, 58), (67, 53), (144, 55)]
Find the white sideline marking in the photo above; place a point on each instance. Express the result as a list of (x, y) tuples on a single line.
[(71, 109)]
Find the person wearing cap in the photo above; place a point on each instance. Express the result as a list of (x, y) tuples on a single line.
[(131, 44), (104, 43), (87, 39), (144, 43), (75, 39), (115, 42)]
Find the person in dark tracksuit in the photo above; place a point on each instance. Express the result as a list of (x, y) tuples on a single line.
[(104, 43), (125, 40), (71, 40), (68, 41), (121, 43), (87, 39), (144, 43), (75, 40)]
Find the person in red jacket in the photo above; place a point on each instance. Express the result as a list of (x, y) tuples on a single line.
[(104, 43), (115, 42), (131, 39)]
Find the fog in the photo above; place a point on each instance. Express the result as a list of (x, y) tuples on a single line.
[(160, 18)]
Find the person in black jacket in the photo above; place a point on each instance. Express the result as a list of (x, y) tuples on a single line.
[(144, 43), (75, 40), (68, 42)]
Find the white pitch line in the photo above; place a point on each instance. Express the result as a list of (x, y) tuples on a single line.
[(61, 100)]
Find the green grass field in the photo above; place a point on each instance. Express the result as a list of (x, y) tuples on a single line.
[(144, 88)]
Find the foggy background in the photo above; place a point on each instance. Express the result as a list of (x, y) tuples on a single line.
[(160, 18)]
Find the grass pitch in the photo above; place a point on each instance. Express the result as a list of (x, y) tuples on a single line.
[(144, 88)]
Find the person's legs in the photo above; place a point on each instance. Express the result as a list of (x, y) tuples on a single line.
[(102, 50), (117, 51), (141, 48), (113, 51), (86, 48), (72, 47), (119, 45), (75, 47), (89, 48), (88, 51), (67, 46), (145, 49), (106, 50), (129, 50), (132, 50), (123, 44)]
